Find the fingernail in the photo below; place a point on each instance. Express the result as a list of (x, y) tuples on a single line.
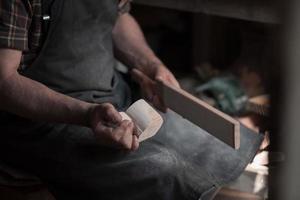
[(160, 78)]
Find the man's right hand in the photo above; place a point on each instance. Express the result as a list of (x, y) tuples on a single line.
[(110, 130)]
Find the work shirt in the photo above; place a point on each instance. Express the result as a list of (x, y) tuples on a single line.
[(21, 26)]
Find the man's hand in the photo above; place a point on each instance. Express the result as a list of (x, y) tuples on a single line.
[(147, 81), (132, 49), (110, 130)]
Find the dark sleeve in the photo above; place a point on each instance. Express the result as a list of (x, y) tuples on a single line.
[(124, 6), (15, 18)]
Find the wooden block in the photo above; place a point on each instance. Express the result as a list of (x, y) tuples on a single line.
[(215, 122), (146, 119)]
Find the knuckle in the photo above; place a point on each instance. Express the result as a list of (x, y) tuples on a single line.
[(124, 125), (128, 128), (110, 112), (109, 106), (104, 105)]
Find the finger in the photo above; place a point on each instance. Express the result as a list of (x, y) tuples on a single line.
[(139, 76), (102, 129), (112, 115), (112, 136), (168, 80), (126, 140), (136, 131), (135, 143), (173, 81), (160, 79), (120, 133), (103, 135), (121, 129)]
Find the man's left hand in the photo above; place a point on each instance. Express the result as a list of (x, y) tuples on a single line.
[(148, 84)]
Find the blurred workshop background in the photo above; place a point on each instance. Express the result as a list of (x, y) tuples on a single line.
[(236, 56), (240, 56)]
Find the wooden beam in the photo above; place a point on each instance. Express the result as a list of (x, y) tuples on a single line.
[(254, 10)]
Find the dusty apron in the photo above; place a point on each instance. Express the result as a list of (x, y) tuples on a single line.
[(181, 162)]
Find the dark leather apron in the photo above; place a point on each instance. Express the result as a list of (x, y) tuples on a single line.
[(77, 58), (181, 162)]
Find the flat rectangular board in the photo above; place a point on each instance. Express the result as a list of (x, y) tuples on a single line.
[(215, 122)]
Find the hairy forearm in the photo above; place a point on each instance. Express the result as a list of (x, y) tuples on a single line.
[(131, 46), (31, 99)]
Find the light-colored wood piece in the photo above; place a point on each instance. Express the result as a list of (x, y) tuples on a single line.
[(215, 122), (146, 119)]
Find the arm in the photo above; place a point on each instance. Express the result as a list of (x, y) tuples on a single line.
[(131, 46), (132, 49), (31, 99)]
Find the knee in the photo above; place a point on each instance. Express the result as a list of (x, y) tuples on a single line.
[(165, 163)]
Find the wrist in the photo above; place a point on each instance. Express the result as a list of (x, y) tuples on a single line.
[(88, 115)]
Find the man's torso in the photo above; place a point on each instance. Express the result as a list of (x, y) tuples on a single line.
[(21, 27)]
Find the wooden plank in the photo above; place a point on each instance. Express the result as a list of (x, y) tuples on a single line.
[(215, 122)]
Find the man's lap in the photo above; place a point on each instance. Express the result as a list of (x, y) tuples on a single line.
[(181, 160)]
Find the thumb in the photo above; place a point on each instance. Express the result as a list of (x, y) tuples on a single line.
[(135, 143), (139, 76)]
